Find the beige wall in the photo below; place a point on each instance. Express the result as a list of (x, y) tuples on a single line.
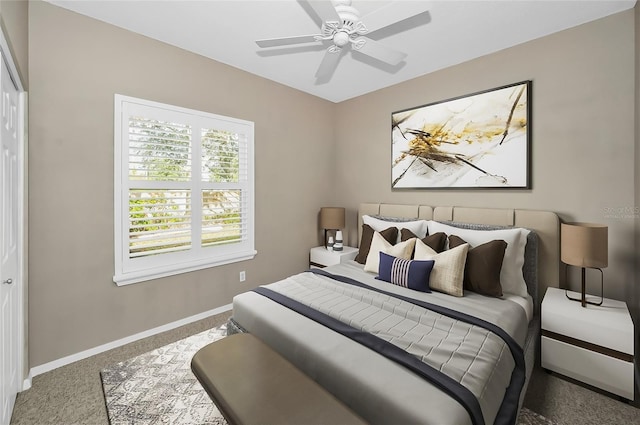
[(76, 65), (582, 133), (582, 140)]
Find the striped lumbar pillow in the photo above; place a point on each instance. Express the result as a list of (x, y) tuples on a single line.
[(412, 274)]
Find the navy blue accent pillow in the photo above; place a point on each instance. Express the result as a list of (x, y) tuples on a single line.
[(412, 274)]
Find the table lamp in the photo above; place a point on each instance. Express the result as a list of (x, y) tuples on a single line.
[(585, 245), (331, 218)]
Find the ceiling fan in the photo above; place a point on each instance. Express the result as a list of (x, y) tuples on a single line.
[(342, 28)]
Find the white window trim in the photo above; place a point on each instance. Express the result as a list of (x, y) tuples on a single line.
[(149, 267)]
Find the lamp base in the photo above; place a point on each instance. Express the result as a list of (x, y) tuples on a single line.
[(583, 298)]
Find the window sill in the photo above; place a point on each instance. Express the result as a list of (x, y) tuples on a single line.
[(157, 273)]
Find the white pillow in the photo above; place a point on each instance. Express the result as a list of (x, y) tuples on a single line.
[(379, 244), (448, 271), (511, 277), (418, 227)]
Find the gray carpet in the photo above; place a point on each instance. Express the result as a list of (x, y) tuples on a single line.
[(73, 394), (158, 388)]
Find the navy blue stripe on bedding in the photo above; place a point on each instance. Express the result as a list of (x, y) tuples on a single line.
[(507, 414), (386, 349)]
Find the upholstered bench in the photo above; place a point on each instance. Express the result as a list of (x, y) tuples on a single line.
[(252, 384)]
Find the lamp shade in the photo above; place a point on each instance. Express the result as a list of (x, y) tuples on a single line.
[(584, 245), (332, 218)]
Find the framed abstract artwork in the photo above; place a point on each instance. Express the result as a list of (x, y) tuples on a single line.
[(481, 140)]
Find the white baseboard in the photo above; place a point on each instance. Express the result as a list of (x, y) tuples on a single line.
[(26, 384), (38, 370)]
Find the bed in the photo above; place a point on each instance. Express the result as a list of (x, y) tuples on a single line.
[(399, 355)]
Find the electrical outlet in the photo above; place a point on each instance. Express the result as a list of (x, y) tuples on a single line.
[(243, 276)]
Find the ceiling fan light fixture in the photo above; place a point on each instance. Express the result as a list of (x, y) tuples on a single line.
[(341, 38), (342, 27)]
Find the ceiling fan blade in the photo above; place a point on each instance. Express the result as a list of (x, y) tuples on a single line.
[(328, 65), (393, 13), (378, 50), (285, 41), (325, 10)]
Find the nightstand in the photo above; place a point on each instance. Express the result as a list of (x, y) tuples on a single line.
[(320, 257), (592, 344)]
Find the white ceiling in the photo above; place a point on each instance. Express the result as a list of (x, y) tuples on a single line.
[(452, 32)]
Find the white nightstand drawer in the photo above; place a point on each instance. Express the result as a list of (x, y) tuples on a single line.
[(602, 371), (608, 325)]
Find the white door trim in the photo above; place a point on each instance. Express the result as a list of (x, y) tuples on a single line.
[(13, 70), (22, 264), (22, 139)]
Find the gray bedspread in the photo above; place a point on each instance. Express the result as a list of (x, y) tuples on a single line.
[(380, 391)]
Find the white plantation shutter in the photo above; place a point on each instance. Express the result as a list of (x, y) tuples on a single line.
[(225, 181), (183, 190)]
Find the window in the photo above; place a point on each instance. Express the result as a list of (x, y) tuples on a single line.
[(183, 190)]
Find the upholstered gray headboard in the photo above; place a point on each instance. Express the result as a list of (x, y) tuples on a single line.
[(546, 224)]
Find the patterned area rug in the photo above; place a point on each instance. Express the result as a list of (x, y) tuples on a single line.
[(158, 387)]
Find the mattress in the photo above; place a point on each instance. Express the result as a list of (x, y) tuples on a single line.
[(377, 388)]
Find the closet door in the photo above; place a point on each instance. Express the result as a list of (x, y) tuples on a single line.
[(10, 311)]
